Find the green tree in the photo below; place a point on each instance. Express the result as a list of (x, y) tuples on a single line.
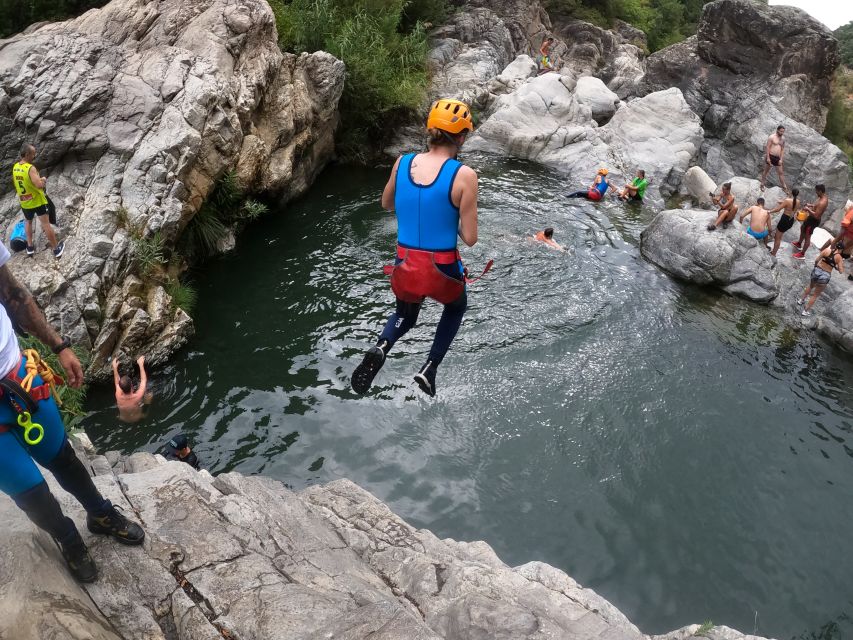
[(844, 35)]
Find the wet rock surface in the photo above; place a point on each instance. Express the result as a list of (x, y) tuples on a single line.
[(245, 557)]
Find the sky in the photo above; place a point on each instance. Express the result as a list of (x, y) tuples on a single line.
[(833, 13)]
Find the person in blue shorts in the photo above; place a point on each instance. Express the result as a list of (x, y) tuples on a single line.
[(759, 221), (434, 197), (31, 431)]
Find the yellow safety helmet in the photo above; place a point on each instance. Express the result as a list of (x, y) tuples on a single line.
[(449, 115), (602, 172)]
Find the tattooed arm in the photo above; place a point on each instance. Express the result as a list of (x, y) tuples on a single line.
[(25, 313)]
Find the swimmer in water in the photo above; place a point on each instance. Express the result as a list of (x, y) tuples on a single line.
[(547, 236)]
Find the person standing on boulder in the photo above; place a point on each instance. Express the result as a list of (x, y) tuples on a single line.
[(545, 63), (434, 197), (31, 431), (774, 156), (728, 208), (34, 202), (788, 207), (815, 211)]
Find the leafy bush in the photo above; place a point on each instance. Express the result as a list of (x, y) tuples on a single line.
[(150, 253), (72, 399), (385, 51), (225, 207), (184, 295), (839, 119), (664, 21), (844, 35), (17, 16)]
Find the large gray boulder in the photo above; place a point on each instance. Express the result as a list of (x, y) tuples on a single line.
[(245, 557), (136, 110), (678, 242), (543, 120)]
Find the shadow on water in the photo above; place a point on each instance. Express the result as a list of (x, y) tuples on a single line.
[(684, 453)]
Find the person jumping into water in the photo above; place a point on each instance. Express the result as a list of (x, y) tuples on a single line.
[(728, 208), (596, 190), (829, 259), (759, 221), (788, 207), (428, 264), (815, 211), (547, 236)]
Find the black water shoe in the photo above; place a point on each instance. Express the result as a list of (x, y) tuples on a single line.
[(364, 373), (57, 252), (114, 524), (426, 378), (79, 561)]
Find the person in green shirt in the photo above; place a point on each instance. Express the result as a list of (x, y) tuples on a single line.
[(637, 189)]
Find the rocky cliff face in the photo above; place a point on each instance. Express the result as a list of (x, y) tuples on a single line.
[(245, 558), (136, 110), (750, 68)]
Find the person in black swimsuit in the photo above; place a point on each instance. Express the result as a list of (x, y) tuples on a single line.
[(788, 207)]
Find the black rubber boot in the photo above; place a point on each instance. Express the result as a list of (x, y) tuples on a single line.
[(364, 373), (113, 523), (79, 561), (426, 378)]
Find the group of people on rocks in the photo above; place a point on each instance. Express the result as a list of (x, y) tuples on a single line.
[(31, 426)]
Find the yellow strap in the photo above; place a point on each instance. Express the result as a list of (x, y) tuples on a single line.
[(35, 366)]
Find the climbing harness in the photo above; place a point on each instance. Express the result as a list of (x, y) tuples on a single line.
[(417, 275), (24, 397)]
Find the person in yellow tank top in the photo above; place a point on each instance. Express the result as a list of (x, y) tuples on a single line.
[(34, 202)]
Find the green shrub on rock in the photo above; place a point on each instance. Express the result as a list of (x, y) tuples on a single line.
[(384, 46)]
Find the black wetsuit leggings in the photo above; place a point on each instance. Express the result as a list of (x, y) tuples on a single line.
[(406, 316)]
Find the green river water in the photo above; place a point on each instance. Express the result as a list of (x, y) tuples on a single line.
[(686, 454)]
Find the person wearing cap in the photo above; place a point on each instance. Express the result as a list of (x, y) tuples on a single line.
[(434, 197), (130, 401), (845, 238), (596, 190), (178, 448)]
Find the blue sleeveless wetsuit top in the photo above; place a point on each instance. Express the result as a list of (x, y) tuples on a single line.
[(601, 187), (426, 217)]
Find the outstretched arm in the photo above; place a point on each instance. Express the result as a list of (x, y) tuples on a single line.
[(116, 375), (143, 377), (25, 313)]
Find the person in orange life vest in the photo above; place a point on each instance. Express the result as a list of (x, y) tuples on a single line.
[(434, 197), (596, 190)]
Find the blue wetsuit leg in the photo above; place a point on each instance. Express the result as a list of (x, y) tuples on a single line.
[(404, 318)]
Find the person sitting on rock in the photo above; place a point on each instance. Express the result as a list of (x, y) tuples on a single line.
[(845, 238), (131, 401), (759, 221), (829, 259), (788, 207), (637, 189), (31, 431), (596, 190), (547, 236), (774, 155), (545, 63), (178, 448), (815, 211), (34, 202), (728, 207)]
